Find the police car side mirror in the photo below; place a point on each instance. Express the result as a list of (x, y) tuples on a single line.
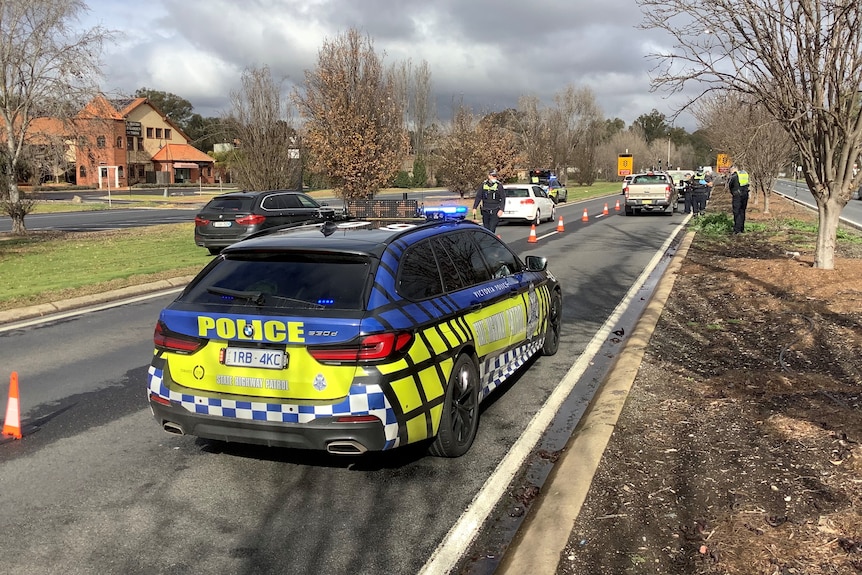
[(536, 263)]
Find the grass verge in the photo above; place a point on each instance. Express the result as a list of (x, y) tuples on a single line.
[(45, 267)]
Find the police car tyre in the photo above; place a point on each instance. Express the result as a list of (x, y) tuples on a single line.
[(460, 418), (555, 320), (538, 219)]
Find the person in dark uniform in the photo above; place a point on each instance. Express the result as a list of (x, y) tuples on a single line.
[(686, 192), (738, 186), (492, 198), (700, 187)]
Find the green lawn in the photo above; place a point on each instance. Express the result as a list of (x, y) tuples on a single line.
[(40, 268)]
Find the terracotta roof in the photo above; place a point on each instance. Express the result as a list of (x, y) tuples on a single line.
[(100, 107), (181, 153)]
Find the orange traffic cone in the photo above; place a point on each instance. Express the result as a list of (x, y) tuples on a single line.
[(617, 207), (560, 227), (532, 239), (605, 211), (586, 216), (12, 424)]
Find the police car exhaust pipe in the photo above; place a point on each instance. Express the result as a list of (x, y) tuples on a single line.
[(174, 428), (346, 447)]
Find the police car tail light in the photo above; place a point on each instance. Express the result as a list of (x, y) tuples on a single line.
[(200, 222), (251, 220), (165, 339), (369, 348)]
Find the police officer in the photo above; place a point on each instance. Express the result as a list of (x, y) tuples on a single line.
[(686, 192), (492, 198), (700, 187), (738, 186)]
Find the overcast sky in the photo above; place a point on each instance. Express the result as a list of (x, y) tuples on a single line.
[(489, 52)]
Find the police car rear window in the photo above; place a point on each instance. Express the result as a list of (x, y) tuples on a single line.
[(284, 282)]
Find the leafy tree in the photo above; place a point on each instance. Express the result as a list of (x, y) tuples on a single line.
[(178, 110), (48, 69), (800, 60), (354, 126), (402, 180), (205, 133), (654, 125), (420, 174), (262, 122)]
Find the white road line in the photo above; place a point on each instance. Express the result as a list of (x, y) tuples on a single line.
[(464, 532)]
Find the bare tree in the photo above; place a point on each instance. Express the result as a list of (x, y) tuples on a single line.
[(575, 115), (499, 149), (800, 59), (422, 108), (261, 120), (47, 69), (461, 160), (530, 123), (354, 125), (762, 150)]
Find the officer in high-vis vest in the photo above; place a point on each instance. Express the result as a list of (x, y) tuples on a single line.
[(738, 186), (492, 198)]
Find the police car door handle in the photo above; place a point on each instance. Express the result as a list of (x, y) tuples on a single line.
[(475, 306)]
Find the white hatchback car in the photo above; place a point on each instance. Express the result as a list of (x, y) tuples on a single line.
[(528, 203)]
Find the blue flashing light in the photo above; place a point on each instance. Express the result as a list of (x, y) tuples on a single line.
[(325, 301), (445, 212)]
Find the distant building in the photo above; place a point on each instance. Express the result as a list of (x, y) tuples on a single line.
[(118, 143)]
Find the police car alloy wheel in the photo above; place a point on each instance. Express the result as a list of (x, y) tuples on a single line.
[(460, 418)]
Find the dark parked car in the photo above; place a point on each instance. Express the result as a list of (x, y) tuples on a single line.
[(345, 338), (229, 218)]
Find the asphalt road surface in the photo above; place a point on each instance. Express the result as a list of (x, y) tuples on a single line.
[(95, 486)]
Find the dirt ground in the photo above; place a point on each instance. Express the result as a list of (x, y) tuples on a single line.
[(739, 450)]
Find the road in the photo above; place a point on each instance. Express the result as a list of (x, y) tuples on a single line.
[(96, 486), (798, 191)]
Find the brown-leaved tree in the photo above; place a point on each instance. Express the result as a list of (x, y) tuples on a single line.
[(354, 125)]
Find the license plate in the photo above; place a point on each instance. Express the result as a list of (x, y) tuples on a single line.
[(221, 224), (646, 202), (262, 358)]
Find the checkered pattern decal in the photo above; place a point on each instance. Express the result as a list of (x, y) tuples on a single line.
[(362, 400), (496, 370)]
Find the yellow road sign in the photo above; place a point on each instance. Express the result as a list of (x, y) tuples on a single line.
[(723, 163), (624, 165)]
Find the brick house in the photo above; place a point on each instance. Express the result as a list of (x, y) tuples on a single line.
[(118, 143)]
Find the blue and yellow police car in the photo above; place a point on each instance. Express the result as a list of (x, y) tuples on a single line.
[(350, 338)]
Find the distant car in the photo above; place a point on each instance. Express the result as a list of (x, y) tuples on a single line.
[(232, 217), (557, 192), (679, 181), (343, 338), (626, 181), (528, 203)]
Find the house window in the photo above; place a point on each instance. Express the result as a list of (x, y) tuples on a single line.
[(140, 143), (167, 134), (149, 132), (130, 142), (100, 142), (120, 173), (83, 171), (158, 133), (119, 141)]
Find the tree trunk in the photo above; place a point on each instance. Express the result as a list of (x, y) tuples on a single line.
[(829, 213), (766, 194)]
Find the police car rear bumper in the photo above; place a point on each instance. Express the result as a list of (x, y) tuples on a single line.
[(323, 434)]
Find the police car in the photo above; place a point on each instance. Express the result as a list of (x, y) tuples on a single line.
[(346, 338)]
